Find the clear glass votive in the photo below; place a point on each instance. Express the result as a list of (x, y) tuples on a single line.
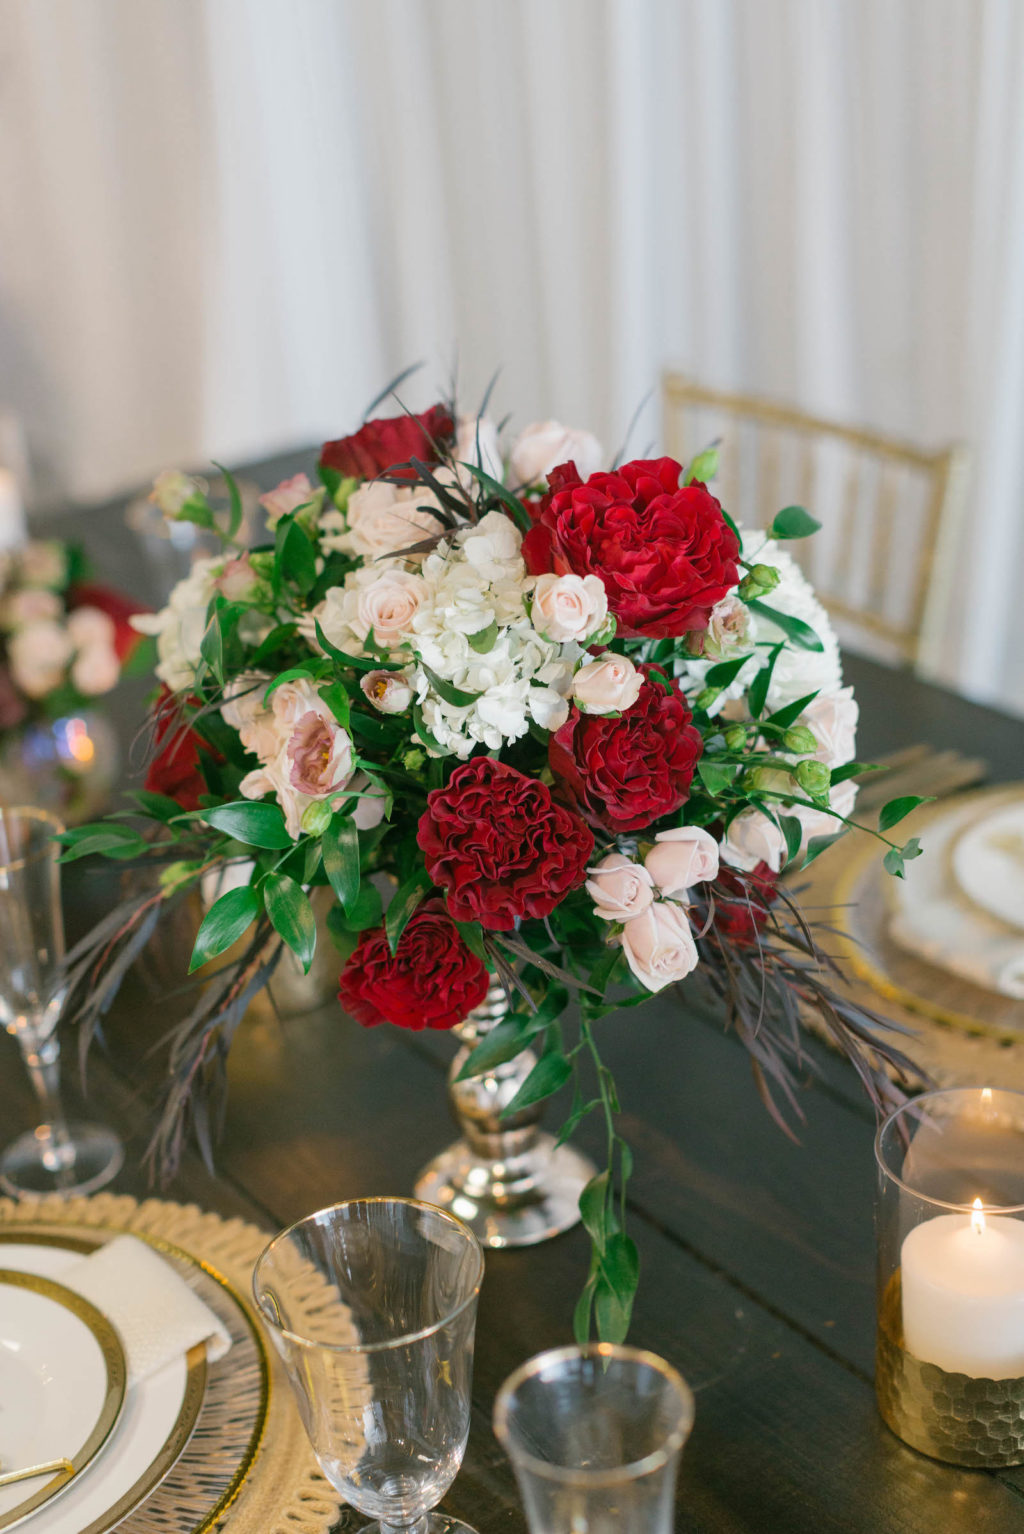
[(950, 1226), (594, 1435)]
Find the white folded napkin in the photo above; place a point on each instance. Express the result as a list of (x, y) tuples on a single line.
[(157, 1314)]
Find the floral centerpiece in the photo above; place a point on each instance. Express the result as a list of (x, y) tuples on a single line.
[(63, 642), (581, 720)]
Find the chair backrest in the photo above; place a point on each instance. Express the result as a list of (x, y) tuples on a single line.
[(882, 562)]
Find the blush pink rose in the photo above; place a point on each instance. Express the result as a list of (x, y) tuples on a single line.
[(569, 607), (832, 720), (542, 445), (682, 858), (659, 945), (619, 888), (287, 497), (608, 686), (753, 839)]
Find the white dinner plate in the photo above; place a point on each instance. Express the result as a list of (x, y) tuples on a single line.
[(988, 864), (62, 1390), (158, 1419)]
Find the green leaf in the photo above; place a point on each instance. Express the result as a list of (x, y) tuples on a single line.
[(335, 695), (912, 849), (853, 770), (472, 934), (224, 924), (453, 695), (793, 831), (403, 903), (295, 554), (796, 629), (898, 809), (254, 824), (340, 847), (726, 671), (291, 914), (364, 912), (758, 695), (343, 936), (819, 844), (235, 520), (793, 522), (594, 1208), (581, 1314), (503, 1043), (352, 662), (293, 674), (616, 1287), (548, 1076), (519, 512), (275, 640), (159, 806), (893, 863), (106, 838), (211, 646), (483, 640), (784, 717), (703, 467), (717, 776), (419, 725)]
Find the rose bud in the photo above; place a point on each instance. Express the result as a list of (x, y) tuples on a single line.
[(682, 858), (388, 691), (736, 737), (758, 581), (706, 696), (619, 888), (799, 739), (814, 778)]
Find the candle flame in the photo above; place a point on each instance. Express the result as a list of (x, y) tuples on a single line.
[(977, 1217), (986, 1095)]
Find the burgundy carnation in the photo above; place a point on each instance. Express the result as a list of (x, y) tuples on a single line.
[(433, 981), (742, 901), (387, 442), (500, 846), (175, 769), (665, 553), (624, 773)]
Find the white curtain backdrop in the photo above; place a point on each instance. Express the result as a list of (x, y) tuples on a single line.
[(224, 224)]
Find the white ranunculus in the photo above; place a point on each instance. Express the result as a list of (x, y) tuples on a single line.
[(38, 655), (659, 945), (179, 627), (753, 838), (543, 445), (569, 607), (381, 519), (476, 442)]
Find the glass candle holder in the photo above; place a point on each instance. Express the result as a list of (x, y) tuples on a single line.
[(594, 1435), (950, 1225)]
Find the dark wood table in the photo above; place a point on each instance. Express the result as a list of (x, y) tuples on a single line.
[(757, 1253)]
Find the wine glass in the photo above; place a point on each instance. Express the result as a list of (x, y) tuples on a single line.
[(594, 1435), (57, 1157), (372, 1306)]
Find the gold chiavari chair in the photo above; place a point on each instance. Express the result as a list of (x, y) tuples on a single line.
[(890, 512)]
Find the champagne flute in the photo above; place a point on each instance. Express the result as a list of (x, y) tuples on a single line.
[(56, 1157), (381, 1364)]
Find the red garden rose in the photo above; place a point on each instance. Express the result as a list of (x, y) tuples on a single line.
[(433, 981), (742, 901), (665, 553), (175, 770), (500, 846), (388, 441), (623, 773)]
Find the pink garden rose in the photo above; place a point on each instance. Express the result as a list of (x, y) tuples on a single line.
[(569, 607), (619, 888), (752, 839), (659, 945), (681, 858), (607, 686)]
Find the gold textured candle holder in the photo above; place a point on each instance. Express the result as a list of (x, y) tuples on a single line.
[(951, 1173), (977, 1423)]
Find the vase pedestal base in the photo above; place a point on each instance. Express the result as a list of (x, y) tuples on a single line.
[(518, 1202)]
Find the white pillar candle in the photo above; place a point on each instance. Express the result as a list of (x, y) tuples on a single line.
[(963, 1294), (13, 530)]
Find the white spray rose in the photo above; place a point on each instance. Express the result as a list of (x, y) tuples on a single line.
[(751, 839), (681, 858), (619, 888)]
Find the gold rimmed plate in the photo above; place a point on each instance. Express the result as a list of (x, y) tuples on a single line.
[(201, 1442), (63, 1385)]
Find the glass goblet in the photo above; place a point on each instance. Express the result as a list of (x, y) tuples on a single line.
[(594, 1435), (372, 1306), (56, 1157)]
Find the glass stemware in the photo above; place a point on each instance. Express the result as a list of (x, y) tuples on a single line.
[(594, 1435), (56, 1157), (372, 1306)]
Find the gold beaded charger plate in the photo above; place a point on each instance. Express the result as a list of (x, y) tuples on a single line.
[(962, 1032), (248, 1464), (63, 1385)]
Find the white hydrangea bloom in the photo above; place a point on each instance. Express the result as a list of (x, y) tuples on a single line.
[(476, 584), (797, 671), (179, 627)]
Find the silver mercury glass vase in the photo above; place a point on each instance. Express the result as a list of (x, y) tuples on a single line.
[(505, 1178)]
